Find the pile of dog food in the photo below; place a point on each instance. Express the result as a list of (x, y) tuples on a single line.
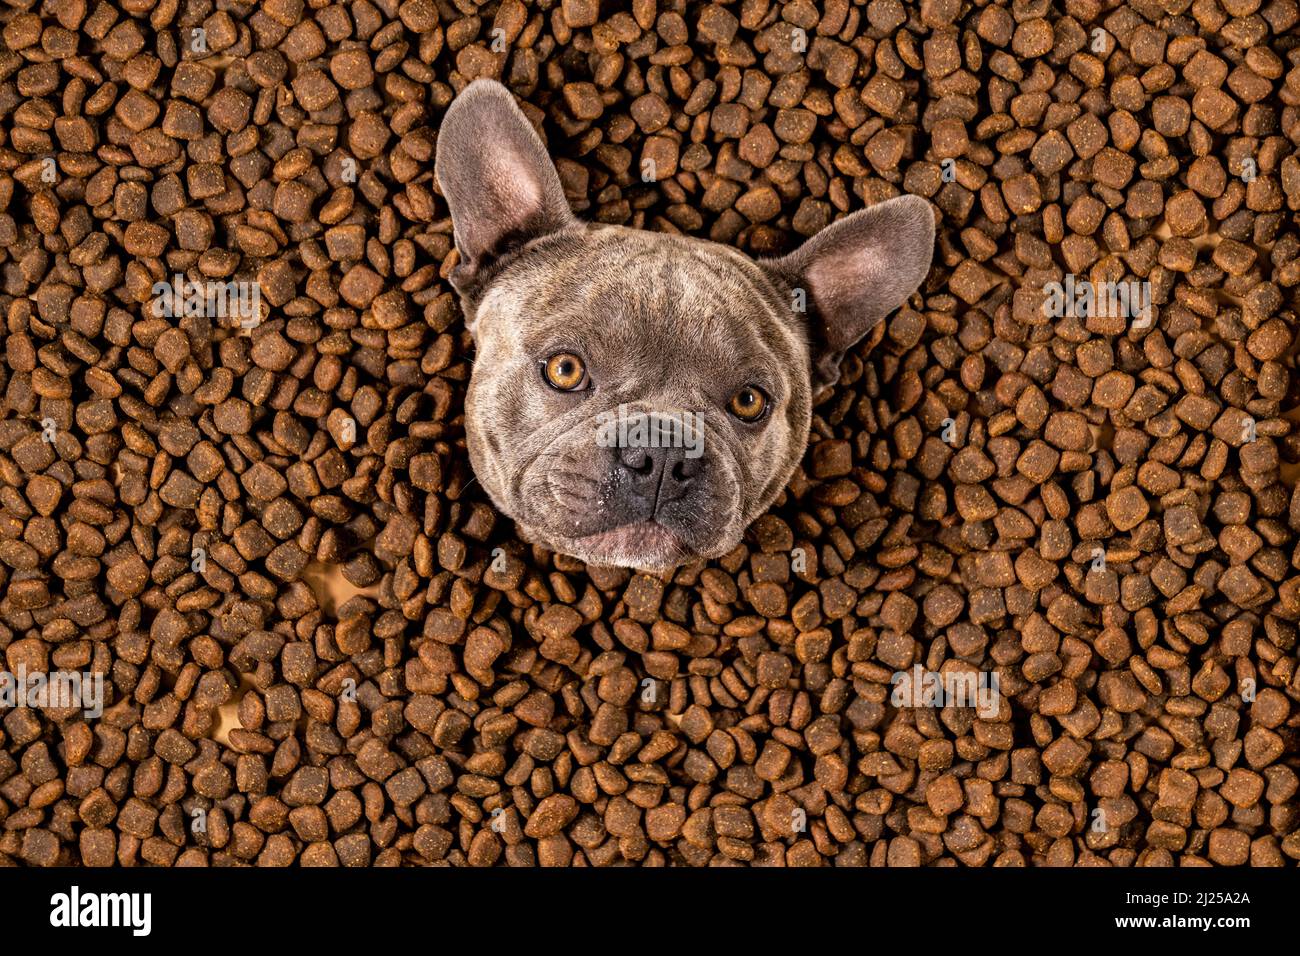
[(1032, 598)]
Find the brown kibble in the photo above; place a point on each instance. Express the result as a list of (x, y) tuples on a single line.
[(1127, 508), (314, 623), (583, 100)]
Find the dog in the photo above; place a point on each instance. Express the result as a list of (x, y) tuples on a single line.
[(639, 398)]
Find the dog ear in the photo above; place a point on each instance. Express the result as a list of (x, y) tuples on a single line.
[(497, 178), (855, 272)]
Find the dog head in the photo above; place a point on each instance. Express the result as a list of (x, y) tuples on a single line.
[(639, 398)]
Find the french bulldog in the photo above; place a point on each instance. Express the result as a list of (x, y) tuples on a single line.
[(639, 398)]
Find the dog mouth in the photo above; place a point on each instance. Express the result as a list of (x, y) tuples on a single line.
[(608, 508), (642, 544)]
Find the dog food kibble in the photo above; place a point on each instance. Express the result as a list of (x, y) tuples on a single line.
[(234, 485)]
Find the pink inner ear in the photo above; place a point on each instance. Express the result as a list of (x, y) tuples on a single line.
[(507, 178), (511, 195), (841, 287)]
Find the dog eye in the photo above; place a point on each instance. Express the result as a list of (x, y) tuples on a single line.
[(565, 371), (748, 404)]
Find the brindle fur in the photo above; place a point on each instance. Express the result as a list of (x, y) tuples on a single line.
[(666, 324)]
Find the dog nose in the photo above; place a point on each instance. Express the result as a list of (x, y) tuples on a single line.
[(658, 474)]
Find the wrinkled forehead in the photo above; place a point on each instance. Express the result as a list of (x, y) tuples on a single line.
[(643, 296)]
